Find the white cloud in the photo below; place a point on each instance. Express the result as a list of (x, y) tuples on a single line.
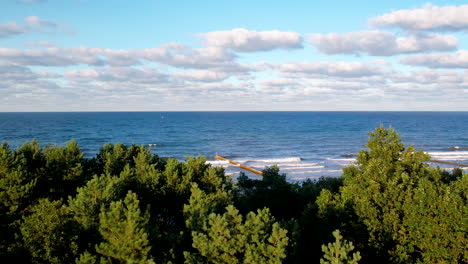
[(11, 29), (18, 81), (122, 75), (244, 40), (51, 56), (173, 54), (183, 56), (429, 77), (441, 60), (333, 69), (16, 73), (280, 85), (42, 43), (33, 23), (58, 56), (203, 76), (378, 43), (429, 17), (85, 75)]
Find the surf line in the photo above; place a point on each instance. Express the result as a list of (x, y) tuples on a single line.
[(240, 165)]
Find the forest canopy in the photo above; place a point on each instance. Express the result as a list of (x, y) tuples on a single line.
[(128, 205)]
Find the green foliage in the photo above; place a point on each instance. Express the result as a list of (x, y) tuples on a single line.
[(292, 205), (273, 191), (112, 159), (64, 171), (386, 196), (227, 238), (123, 228), (99, 192), (17, 183), (339, 251), (49, 233), (436, 220), (127, 205), (202, 204), (28, 174)]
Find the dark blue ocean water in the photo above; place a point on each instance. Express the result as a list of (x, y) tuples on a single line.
[(303, 144)]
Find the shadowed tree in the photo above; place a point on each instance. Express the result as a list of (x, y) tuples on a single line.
[(50, 234), (123, 229), (228, 237)]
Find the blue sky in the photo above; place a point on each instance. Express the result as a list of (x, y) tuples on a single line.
[(90, 55)]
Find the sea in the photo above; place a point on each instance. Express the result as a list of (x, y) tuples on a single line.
[(304, 145)]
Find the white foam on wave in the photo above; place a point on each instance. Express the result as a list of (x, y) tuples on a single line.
[(217, 162), (277, 160), (449, 155), (300, 166), (295, 168), (342, 159)]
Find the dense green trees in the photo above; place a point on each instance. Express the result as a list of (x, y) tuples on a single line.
[(398, 209), (127, 205)]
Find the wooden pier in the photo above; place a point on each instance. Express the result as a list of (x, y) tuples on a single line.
[(240, 165), (448, 162)]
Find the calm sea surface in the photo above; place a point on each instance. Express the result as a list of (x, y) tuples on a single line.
[(303, 144)]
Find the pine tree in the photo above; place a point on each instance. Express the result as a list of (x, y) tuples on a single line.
[(18, 191), (49, 233), (99, 192), (63, 170), (436, 222), (388, 198), (339, 251), (227, 237), (123, 228)]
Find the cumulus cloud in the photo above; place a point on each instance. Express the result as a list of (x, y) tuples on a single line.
[(16, 73), (185, 57), (334, 69), (429, 77), (40, 23), (172, 54), (244, 40), (203, 76), (50, 56), (42, 43), (11, 29), (121, 75), (281, 86), (441, 60), (56, 56), (18, 81), (179, 55), (428, 17), (378, 43), (32, 23)]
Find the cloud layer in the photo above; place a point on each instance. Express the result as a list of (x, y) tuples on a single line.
[(332, 69), (243, 40), (378, 43), (32, 24), (441, 60), (229, 68), (429, 17)]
